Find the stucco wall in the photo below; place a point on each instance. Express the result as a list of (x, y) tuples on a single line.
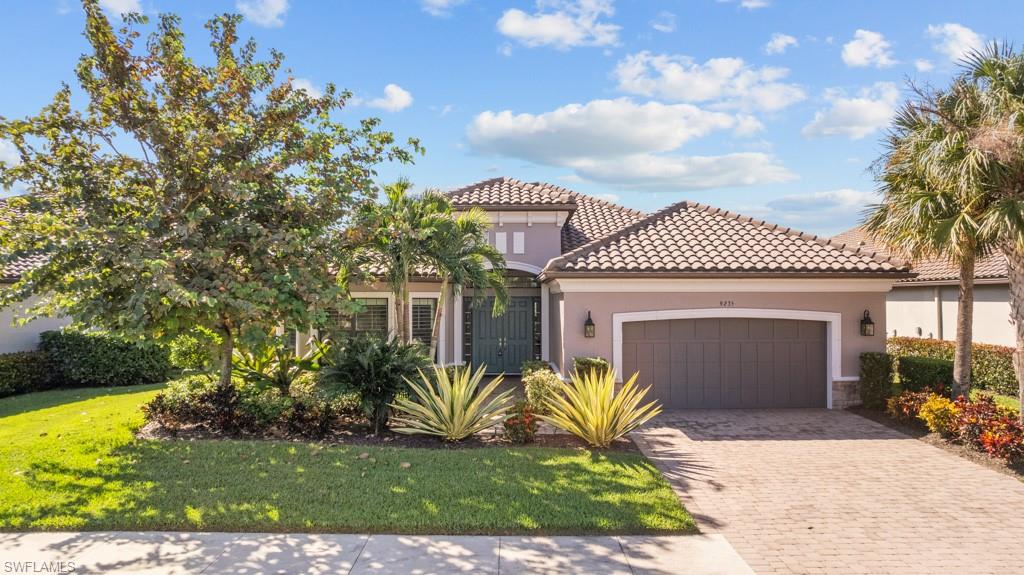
[(542, 241), (24, 338), (602, 305), (913, 311)]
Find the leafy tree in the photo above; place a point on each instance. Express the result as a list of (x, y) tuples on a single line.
[(458, 252), (183, 194), (930, 209)]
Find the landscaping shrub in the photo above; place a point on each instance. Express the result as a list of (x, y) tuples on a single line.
[(533, 365), (584, 365), (919, 373), (376, 370), (875, 379), (272, 362), (983, 425), (97, 359), (991, 365), (451, 408), (24, 372), (589, 407), (940, 415), (195, 351), (907, 405), (539, 387), (521, 426)]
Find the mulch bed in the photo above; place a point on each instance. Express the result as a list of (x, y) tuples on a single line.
[(352, 430), (921, 433)]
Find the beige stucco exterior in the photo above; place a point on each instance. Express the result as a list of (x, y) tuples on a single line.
[(930, 311)]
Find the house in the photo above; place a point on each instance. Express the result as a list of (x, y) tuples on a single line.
[(712, 309), (926, 305), (26, 337)]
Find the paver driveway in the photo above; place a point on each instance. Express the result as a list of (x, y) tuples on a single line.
[(817, 491)]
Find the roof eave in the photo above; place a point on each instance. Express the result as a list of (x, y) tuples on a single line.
[(555, 274), (518, 207)]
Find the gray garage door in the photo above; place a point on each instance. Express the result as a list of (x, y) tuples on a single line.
[(728, 363)]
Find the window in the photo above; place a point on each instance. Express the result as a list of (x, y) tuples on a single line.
[(371, 320), (501, 242), (518, 243), (423, 310)]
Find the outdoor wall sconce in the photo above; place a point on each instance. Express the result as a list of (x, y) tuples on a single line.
[(867, 327), (588, 326)]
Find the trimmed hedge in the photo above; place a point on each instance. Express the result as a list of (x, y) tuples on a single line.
[(924, 373), (583, 365), (991, 365), (96, 359), (25, 371), (875, 379)]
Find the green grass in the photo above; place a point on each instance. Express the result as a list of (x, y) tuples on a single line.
[(69, 461), (1003, 400)]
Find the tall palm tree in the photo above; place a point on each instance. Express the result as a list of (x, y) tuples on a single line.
[(460, 254), (997, 72), (933, 201), (394, 236)]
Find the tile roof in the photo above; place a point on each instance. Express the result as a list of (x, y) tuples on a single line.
[(512, 193), (693, 238), (990, 267), (13, 271), (595, 219)]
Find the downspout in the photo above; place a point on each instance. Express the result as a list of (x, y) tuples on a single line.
[(938, 311)]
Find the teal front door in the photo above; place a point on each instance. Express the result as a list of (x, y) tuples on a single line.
[(503, 343)]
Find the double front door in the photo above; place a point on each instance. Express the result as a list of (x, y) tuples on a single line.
[(503, 343)]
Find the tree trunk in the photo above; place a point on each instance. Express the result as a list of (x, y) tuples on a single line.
[(227, 350), (435, 332), (406, 306), (1015, 263), (399, 316), (964, 331)]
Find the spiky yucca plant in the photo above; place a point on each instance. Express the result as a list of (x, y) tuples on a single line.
[(589, 408), (451, 407)]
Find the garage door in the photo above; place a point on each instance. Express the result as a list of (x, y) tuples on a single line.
[(728, 363)]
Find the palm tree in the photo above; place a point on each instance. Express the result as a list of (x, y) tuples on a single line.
[(461, 256), (933, 201), (394, 236), (997, 72)]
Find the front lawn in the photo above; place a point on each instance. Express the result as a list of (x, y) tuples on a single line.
[(69, 461)]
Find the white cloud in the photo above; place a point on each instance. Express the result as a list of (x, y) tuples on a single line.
[(748, 4), (665, 22), (868, 49), (439, 8), (855, 117), (307, 86), (747, 125), (267, 13), (954, 40), (121, 6), (724, 82), (613, 198), (395, 99), (779, 43), (562, 24), (623, 143), (923, 65), (820, 212), (9, 154)]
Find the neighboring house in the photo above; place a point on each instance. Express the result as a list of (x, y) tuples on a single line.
[(26, 337), (926, 305), (713, 309)]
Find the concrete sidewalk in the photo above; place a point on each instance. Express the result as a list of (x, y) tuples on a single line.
[(257, 554)]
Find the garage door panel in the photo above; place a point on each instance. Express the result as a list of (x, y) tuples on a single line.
[(634, 331), (657, 330), (682, 329), (735, 328), (707, 328)]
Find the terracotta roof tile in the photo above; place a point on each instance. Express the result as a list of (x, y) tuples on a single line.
[(13, 271), (512, 193), (693, 238), (990, 267), (595, 219)]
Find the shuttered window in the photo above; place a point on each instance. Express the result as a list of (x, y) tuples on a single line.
[(423, 319), (371, 320)]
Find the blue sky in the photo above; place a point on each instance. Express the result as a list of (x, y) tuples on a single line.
[(772, 108)]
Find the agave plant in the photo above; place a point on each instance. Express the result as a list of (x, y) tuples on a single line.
[(589, 408), (452, 407)]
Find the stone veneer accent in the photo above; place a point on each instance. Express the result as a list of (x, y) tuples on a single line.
[(845, 394)]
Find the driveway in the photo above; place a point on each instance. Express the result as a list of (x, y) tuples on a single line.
[(818, 491)]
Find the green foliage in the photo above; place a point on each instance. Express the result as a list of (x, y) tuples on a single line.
[(308, 388), (184, 190), (272, 363), (875, 379), (375, 369), (540, 386), (532, 365), (590, 408), (584, 365), (906, 405), (991, 365), (195, 351), (451, 408), (96, 359), (521, 425), (920, 373), (939, 414), (24, 372)]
